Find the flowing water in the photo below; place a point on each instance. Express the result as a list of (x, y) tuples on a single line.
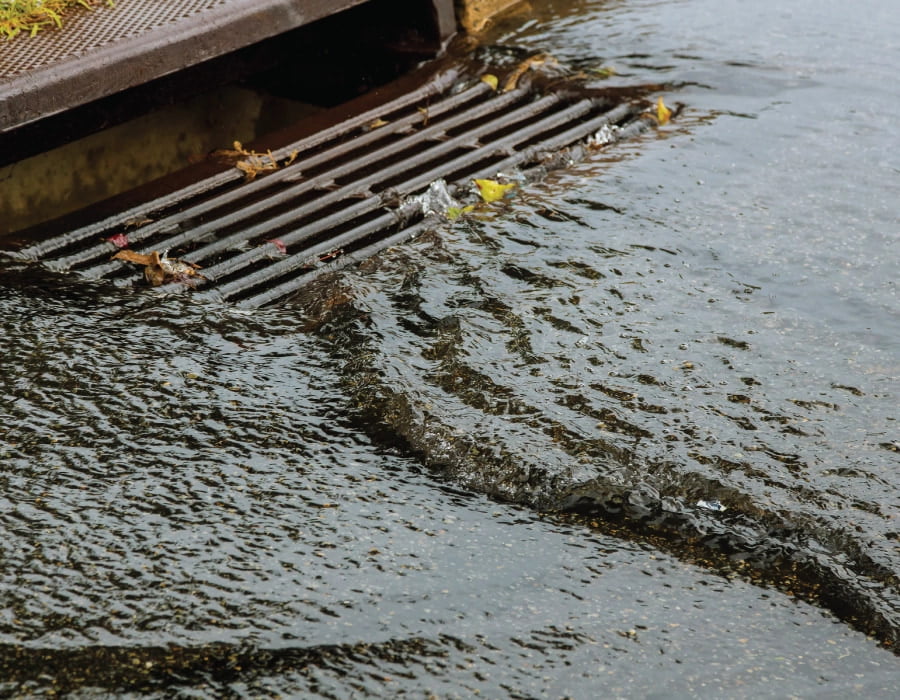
[(630, 433)]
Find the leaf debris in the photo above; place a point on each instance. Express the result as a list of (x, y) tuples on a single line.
[(528, 64), (663, 113), (161, 269), (492, 191), (31, 16), (491, 80), (252, 163)]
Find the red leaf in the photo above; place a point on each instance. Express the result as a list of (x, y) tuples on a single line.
[(120, 240), (278, 244)]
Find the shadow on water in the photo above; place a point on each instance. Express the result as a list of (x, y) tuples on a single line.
[(601, 452), (155, 669)]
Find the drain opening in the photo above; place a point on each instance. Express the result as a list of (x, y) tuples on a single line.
[(342, 193)]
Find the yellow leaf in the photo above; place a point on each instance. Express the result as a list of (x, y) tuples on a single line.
[(491, 190), (378, 123), (453, 213), (490, 80), (603, 72), (662, 112)]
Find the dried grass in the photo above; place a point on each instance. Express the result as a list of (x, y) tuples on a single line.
[(31, 16)]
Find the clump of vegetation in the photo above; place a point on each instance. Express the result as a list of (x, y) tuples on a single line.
[(30, 16), (252, 163)]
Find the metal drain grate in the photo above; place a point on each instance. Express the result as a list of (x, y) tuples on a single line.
[(347, 193)]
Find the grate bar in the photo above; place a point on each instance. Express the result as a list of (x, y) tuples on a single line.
[(290, 286), (291, 173), (434, 87), (355, 188), (323, 182), (349, 194), (268, 249), (439, 171), (574, 134), (309, 255), (302, 258)]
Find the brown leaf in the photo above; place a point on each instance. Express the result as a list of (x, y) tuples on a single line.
[(246, 168), (528, 64), (154, 272), (133, 257), (160, 270)]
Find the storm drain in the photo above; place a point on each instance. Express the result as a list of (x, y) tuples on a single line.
[(342, 193)]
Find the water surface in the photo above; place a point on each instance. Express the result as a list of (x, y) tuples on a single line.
[(495, 459)]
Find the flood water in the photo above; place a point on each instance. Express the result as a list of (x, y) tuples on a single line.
[(632, 433)]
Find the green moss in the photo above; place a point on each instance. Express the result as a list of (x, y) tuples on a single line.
[(30, 16)]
